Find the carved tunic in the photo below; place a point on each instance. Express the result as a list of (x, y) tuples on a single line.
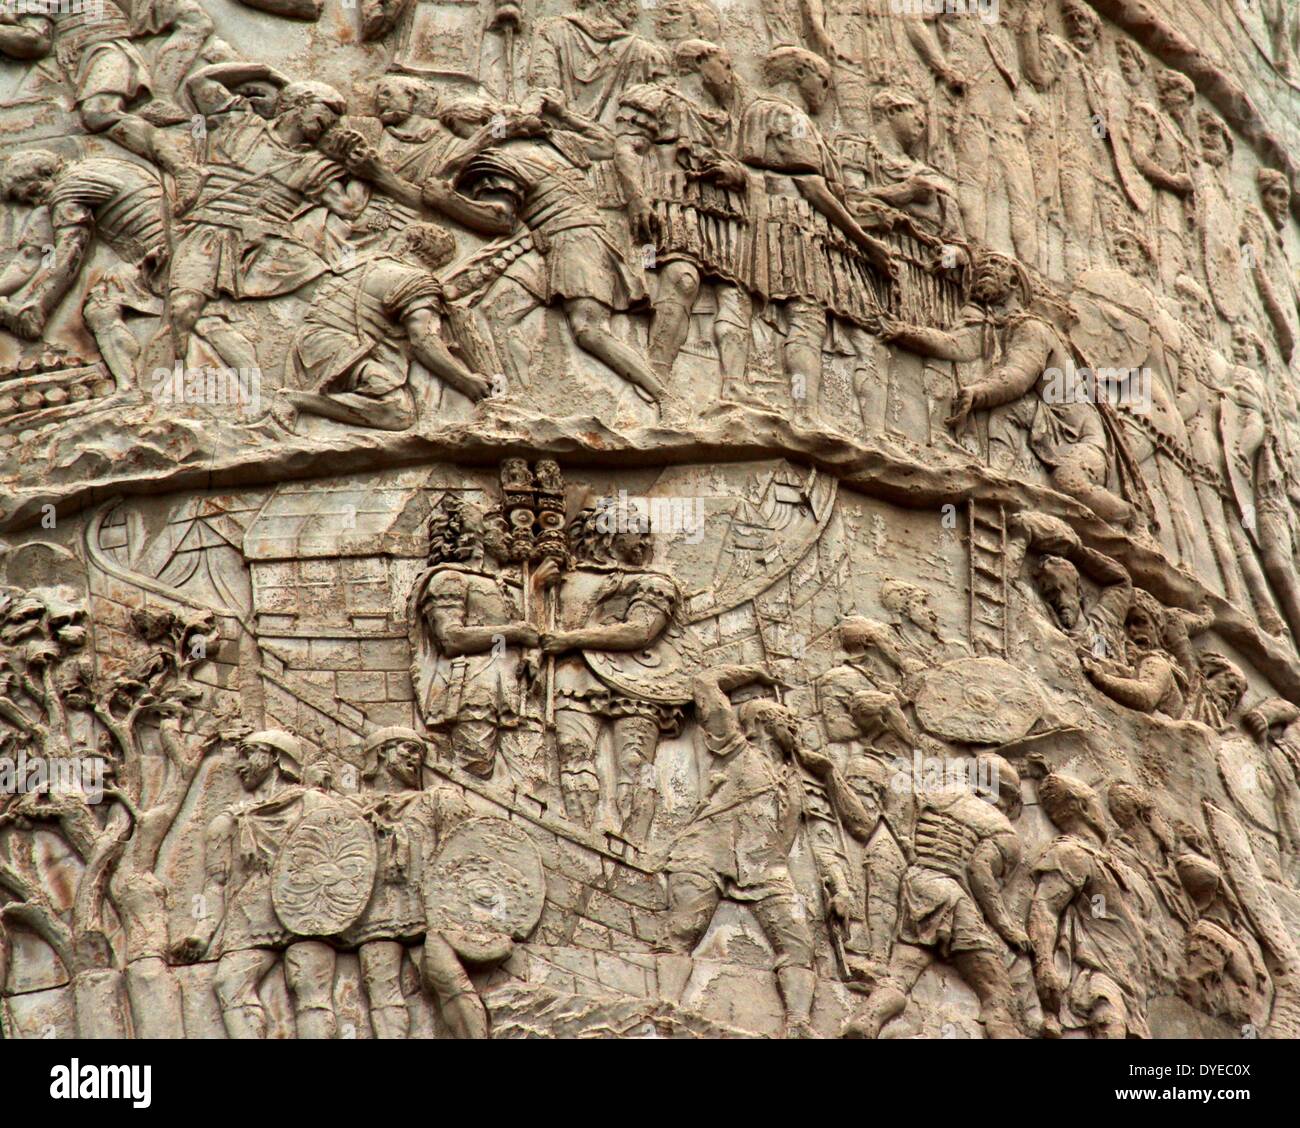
[(1099, 934), (741, 836), (471, 687), (352, 338), (938, 907), (582, 259), (408, 826), (238, 237)]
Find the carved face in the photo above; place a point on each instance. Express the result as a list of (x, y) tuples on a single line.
[(908, 124), (715, 72), (314, 120), (1214, 144), (1177, 100), (1244, 349), (394, 102), (262, 98), (1276, 198), (992, 283), (1081, 30), (1224, 692), (254, 762), (814, 87), (918, 610), (1058, 583), (403, 759), (634, 548), (496, 538), (1143, 631), (1131, 64), (1130, 254)]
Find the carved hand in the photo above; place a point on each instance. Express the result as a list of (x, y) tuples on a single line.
[(962, 405), (189, 950)]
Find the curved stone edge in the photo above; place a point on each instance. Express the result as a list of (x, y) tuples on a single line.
[(735, 434)]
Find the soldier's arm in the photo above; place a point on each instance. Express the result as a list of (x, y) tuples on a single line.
[(433, 353), (1027, 354), (1144, 146), (27, 38), (48, 288), (1051, 896), (455, 638), (218, 854), (713, 709), (644, 624), (858, 821), (995, 859), (1116, 585), (927, 46), (1144, 692), (1029, 41), (817, 192), (1274, 712), (962, 344), (211, 88)]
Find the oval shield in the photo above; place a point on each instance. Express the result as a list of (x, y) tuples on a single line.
[(324, 876), (487, 881), (1222, 244), (663, 673), (978, 701)]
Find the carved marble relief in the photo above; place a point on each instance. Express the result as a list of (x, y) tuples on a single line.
[(706, 518)]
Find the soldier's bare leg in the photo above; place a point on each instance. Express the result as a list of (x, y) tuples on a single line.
[(309, 973), (636, 739), (446, 979), (589, 321), (889, 999), (235, 985), (802, 355), (1275, 548), (987, 976), (392, 412), (474, 747), (1017, 175), (1078, 197), (381, 974), (679, 285), (1256, 583), (1080, 474), (971, 151), (733, 336), (692, 901), (576, 733), (796, 980), (117, 344), (885, 866)]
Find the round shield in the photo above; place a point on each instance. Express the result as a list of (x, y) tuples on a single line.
[(487, 881), (1112, 319), (324, 876), (978, 701), (662, 673)]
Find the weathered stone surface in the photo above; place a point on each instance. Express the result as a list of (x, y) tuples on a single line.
[(705, 518)]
